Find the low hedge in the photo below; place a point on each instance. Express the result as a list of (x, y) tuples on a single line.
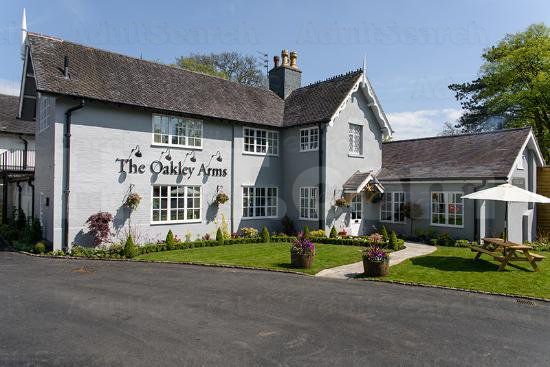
[(117, 251)]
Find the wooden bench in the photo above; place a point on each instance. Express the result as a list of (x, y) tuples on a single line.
[(506, 252), (479, 250)]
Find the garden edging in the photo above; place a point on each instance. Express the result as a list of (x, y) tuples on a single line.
[(400, 282)]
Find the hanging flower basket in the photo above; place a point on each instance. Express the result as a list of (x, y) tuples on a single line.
[(342, 203), (133, 200), (221, 198)]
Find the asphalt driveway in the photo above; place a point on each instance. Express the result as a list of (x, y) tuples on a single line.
[(58, 312)]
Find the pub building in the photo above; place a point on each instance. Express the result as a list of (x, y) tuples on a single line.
[(108, 125)]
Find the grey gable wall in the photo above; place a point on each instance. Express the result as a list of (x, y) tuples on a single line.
[(340, 165)]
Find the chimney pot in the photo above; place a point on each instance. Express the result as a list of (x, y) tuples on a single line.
[(284, 56), (276, 61), (293, 58)]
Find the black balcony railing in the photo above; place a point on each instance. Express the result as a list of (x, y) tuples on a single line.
[(17, 160)]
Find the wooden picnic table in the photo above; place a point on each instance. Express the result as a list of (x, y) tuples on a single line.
[(506, 252)]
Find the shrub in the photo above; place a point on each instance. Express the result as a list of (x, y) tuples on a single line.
[(170, 240), (219, 237), (288, 226), (206, 237), (58, 253), (317, 233), (375, 239), (393, 243), (384, 233), (130, 248), (343, 233), (433, 242), (225, 228), (9, 233), (39, 248), (445, 239), (333, 232), (249, 232), (306, 233), (32, 232), (265, 235), (539, 245), (21, 220), (98, 225), (188, 236), (462, 243)]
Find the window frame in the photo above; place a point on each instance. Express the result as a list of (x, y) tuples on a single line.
[(44, 111), (521, 163), (169, 206), (308, 208), (309, 131), (170, 136), (392, 206), (353, 207), (350, 132), (446, 195), (253, 201), (270, 135)]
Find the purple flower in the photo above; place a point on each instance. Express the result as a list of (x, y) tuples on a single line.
[(302, 246), (375, 253)]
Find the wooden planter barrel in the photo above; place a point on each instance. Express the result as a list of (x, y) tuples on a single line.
[(301, 261), (376, 268)]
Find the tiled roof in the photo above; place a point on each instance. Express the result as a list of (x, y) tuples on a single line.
[(9, 107), (319, 101), (354, 182), (108, 76), (111, 77), (469, 156)]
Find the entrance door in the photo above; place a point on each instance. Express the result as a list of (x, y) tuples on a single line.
[(356, 209)]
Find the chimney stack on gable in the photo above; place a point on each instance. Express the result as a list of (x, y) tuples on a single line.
[(285, 78)]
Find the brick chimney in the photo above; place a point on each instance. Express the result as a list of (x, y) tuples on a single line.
[(285, 77)]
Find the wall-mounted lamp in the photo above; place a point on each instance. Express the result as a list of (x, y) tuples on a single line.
[(167, 156), (192, 154), (136, 151), (219, 159)]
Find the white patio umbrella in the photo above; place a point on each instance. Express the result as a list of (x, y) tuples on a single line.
[(510, 194)]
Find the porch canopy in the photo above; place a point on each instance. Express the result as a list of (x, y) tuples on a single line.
[(360, 181), (509, 194)]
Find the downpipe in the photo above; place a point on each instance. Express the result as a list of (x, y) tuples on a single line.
[(67, 172)]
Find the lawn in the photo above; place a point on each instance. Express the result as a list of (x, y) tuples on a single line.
[(263, 255), (454, 267)]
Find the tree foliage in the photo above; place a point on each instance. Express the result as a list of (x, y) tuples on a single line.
[(99, 227), (513, 87), (227, 65)]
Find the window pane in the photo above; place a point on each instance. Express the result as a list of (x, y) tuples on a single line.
[(355, 139)]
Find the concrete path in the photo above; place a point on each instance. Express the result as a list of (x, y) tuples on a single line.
[(350, 270)]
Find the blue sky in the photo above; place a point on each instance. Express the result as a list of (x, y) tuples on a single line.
[(414, 49)]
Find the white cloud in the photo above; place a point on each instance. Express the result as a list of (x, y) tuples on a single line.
[(421, 123), (9, 87)]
